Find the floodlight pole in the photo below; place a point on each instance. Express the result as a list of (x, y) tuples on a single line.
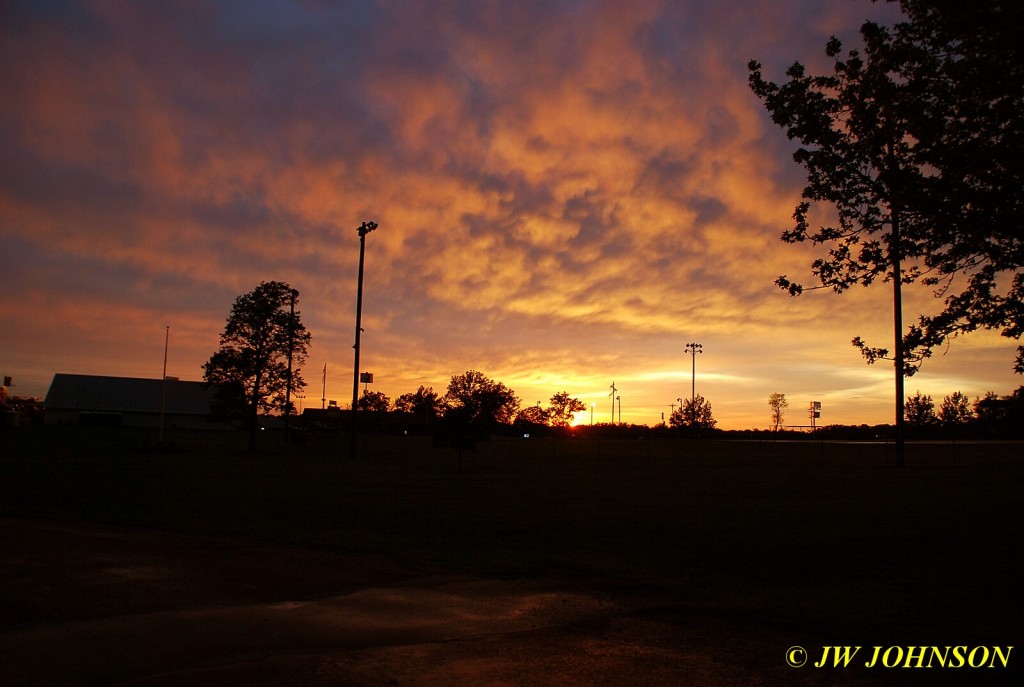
[(364, 229), (693, 349)]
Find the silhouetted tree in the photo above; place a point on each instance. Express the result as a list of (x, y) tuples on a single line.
[(920, 411), (921, 140), (955, 410), (250, 369), (489, 403), (918, 145), (532, 416), (1001, 415), (778, 404), (694, 414), (989, 410), (473, 407), (423, 401), (374, 401), (459, 429), (562, 409), (966, 62)]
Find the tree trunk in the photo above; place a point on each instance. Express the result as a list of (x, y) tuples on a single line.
[(897, 308), (254, 408)]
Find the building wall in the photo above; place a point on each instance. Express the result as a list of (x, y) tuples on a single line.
[(60, 416)]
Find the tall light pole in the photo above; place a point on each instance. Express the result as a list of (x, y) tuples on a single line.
[(364, 229), (693, 349)]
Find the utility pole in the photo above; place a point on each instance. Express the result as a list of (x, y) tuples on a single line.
[(693, 349), (323, 390), (364, 229), (612, 395), (288, 389)]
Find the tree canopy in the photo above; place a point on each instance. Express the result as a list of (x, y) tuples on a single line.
[(263, 334), (563, 408), (778, 404), (920, 411), (374, 401), (918, 145), (473, 406), (424, 401), (482, 400), (694, 415), (532, 416)]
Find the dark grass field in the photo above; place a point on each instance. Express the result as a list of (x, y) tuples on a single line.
[(806, 543)]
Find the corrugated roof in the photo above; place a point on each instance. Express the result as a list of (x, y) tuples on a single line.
[(93, 393)]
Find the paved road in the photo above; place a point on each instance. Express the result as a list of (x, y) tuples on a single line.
[(94, 606)]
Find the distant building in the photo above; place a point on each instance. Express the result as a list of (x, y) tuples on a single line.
[(369, 421), (125, 401)]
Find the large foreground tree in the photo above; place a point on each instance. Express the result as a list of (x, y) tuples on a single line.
[(917, 146), (262, 349)]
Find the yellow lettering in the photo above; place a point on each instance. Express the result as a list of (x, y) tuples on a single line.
[(942, 656), (970, 657), (919, 656), (910, 657), (899, 656), (842, 653)]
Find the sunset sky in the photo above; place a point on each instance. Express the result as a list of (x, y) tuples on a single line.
[(567, 194)]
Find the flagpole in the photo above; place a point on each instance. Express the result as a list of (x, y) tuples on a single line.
[(323, 394), (163, 385)]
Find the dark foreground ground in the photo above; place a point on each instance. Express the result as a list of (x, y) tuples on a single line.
[(540, 562)]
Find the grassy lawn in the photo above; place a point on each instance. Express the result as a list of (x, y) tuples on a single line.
[(806, 536)]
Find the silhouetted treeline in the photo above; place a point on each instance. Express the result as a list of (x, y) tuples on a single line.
[(491, 409)]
